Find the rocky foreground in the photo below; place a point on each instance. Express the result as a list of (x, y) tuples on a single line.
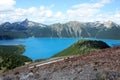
[(100, 65)]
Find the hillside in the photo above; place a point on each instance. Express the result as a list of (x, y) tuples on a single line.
[(26, 28), (99, 65), (12, 49), (11, 57), (83, 47)]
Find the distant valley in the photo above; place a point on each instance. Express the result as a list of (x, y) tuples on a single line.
[(26, 28)]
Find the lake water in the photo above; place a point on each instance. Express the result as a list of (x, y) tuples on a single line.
[(39, 48)]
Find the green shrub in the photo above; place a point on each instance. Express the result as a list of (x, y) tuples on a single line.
[(82, 47)]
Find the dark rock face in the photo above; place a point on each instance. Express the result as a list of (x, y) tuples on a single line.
[(100, 65)]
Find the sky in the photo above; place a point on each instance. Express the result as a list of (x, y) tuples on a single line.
[(59, 11)]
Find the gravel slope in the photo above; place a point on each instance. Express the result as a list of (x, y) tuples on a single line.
[(100, 65)]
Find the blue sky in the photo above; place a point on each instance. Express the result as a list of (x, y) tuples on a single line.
[(55, 11), (59, 4)]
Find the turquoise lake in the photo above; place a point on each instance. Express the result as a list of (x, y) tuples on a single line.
[(40, 48)]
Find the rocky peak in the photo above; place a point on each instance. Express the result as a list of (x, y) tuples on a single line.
[(25, 22), (95, 24), (110, 24), (75, 23), (28, 23), (6, 24)]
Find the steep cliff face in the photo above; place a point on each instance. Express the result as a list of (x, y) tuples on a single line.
[(106, 30), (70, 29), (26, 28)]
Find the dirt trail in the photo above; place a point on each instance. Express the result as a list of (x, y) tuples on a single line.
[(100, 65)]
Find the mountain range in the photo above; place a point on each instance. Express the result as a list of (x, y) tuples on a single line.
[(26, 28)]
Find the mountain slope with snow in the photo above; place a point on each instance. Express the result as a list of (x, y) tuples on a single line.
[(26, 28)]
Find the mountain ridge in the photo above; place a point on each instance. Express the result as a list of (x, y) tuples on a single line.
[(26, 28), (26, 21)]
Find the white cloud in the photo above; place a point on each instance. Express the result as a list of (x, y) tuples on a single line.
[(86, 11), (117, 15), (81, 12), (17, 14), (6, 4), (112, 16)]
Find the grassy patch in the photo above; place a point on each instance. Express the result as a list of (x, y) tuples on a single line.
[(82, 47)]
